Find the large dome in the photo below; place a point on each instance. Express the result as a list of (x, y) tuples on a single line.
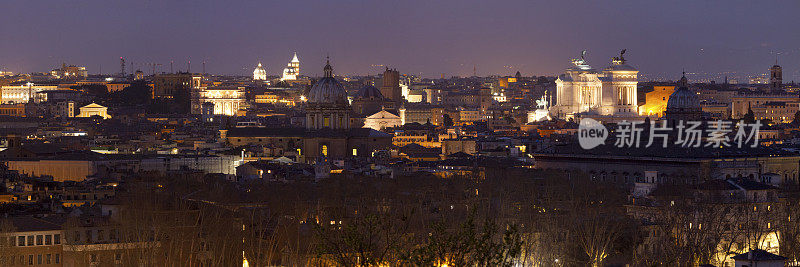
[(327, 90), (683, 99), (369, 91)]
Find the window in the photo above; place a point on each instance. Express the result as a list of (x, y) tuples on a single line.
[(30, 240), (39, 240), (355, 152), (39, 259), (99, 234), (326, 122), (93, 258), (21, 241), (325, 150), (58, 258), (48, 258), (48, 240), (30, 259), (57, 239)]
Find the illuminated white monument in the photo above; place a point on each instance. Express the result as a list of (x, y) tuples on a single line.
[(582, 89), (227, 100), (292, 71), (94, 109), (542, 112), (259, 74)]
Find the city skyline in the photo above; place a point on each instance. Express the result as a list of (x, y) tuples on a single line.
[(427, 39)]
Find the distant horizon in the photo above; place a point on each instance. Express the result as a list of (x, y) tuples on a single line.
[(450, 37), (162, 69)]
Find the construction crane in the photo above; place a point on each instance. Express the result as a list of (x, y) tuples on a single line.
[(153, 65)]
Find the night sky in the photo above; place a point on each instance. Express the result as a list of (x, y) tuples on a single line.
[(421, 37)]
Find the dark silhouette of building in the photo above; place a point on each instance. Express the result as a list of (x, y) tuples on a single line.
[(776, 77), (683, 104), (391, 87)]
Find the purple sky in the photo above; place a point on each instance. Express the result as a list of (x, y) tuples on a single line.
[(422, 37)]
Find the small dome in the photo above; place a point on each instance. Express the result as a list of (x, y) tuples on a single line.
[(369, 91), (328, 90), (259, 73), (683, 99)]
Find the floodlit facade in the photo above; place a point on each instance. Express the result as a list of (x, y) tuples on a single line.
[(610, 92), (15, 94), (656, 101), (292, 71), (69, 72), (94, 109), (227, 101), (381, 120), (259, 74)]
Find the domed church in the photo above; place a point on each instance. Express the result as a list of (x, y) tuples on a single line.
[(327, 106), (327, 133), (368, 101), (683, 104)]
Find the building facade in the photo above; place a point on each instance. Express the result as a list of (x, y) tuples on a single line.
[(227, 101), (611, 92), (292, 70)]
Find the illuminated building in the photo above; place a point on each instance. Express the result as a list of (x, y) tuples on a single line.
[(499, 97), (138, 75), (382, 120), (421, 113), (741, 103), (292, 71), (776, 111), (227, 101), (328, 132), (542, 112), (584, 90), (470, 115), (69, 72), (116, 86), (656, 101), (505, 82), (22, 93), (94, 109), (274, 99), (12, 110), (259, 74)]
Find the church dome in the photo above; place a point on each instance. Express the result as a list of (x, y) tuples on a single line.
[(328, 90), (259, 73), (683, 99), (369, 91)]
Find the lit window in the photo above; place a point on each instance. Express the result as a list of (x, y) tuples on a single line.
[(355, 152), (325, 150)]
